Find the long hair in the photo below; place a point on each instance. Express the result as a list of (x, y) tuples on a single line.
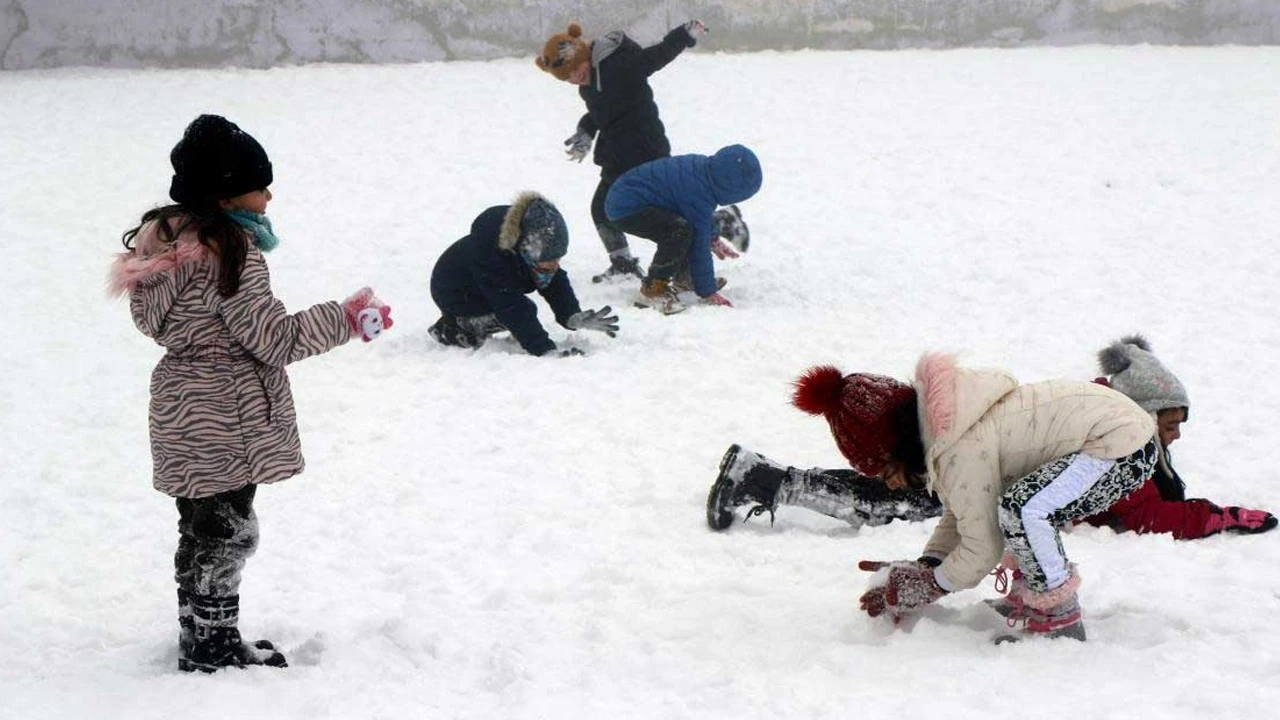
[(908, 448), (214, 229)]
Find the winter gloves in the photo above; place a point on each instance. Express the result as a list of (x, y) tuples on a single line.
[(598, 320), (1240, 520), (696, 29), (722, 249), (717, 299), (366, 314), (909, 586), (578, 145)]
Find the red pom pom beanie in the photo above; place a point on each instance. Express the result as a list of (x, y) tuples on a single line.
[(860, 409)]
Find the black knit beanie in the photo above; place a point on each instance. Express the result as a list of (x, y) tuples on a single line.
[(216, 160)]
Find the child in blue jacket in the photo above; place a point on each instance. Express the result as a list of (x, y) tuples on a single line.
[(672, 201)]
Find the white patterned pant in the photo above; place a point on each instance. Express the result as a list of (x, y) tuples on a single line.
[(1057, 493)]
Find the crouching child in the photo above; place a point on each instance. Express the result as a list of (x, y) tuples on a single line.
[(480, 282)]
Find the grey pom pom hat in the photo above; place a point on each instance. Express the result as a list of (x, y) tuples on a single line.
[(1140, 375)]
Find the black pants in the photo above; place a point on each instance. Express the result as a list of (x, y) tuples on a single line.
[(857, 499), (669, 230), (615, 243), (216, 535)]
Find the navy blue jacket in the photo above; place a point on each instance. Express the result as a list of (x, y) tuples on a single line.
[(474, 277), (620, 102)]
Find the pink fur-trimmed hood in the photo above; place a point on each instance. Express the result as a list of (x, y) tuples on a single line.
[(953, 399), (151, 257)]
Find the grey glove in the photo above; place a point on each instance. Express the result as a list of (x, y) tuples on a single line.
[(578, 145), (598, 320), (696, 29)]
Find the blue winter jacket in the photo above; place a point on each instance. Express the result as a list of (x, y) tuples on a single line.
[(692, 186), (474, 276)]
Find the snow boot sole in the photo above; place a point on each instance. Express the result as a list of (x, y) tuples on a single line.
[(719, 512)]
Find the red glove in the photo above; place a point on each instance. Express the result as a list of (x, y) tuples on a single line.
[(722, 250), (1240, 520), (366, 314), (717, 299), (910, 586)]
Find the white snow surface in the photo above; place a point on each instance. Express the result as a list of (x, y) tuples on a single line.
[(492, 535)]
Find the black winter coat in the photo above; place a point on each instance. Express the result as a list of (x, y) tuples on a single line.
[(620, 103), (474, 276)]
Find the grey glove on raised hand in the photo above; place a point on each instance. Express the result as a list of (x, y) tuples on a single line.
[(578, 145), (696, 29), (598, 320)]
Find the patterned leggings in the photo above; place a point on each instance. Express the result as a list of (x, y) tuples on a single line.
[(217, 534), (1055, 494)]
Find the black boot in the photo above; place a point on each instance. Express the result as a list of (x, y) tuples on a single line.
[(620, 267), (216, 641), (186, 625), (745, 477)]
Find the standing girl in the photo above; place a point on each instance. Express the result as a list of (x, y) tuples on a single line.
[(221, 416)]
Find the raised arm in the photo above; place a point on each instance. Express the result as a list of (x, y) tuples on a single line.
[(656, 57), (260, 323)]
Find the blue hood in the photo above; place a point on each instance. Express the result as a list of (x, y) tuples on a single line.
[(735, 174)]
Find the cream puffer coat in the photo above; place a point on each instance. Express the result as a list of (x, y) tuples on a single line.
[(982, 431)]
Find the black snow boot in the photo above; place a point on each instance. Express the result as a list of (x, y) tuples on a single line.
[(215, 641), (186, 624), (745, 477), (620, 267)]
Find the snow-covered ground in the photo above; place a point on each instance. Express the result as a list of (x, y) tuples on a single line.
[(491, 535)]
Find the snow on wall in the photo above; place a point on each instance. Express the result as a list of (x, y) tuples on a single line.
[(262, 33)]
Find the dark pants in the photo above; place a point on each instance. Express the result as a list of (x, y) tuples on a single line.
[(216, 535), (669, 230), (615, 243), (857, 499)]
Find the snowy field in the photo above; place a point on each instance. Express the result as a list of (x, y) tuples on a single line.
[(491, 535)]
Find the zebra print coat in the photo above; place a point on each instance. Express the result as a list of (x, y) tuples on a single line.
[(221, 413)]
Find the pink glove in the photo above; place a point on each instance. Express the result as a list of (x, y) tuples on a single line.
[(1240, 520), (909, 587), (366, 314), (722, 249), (717, 299)]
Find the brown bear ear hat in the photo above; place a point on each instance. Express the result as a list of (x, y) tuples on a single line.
[(564, 52)]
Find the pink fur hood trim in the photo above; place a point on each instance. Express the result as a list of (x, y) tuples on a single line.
[(936, 386), (151, 257)]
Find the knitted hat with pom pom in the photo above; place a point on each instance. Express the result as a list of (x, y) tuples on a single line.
[(564, 52), (861, 410), (1137, 373)]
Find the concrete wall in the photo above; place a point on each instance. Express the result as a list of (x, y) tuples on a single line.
[(192, 33)]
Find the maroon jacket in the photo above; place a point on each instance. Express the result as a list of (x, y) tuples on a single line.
[(1160, 505), (1146, 511)]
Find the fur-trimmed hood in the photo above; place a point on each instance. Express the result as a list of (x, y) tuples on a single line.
[(940, 385), (151, 257), (509, 233), (533, 227)]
